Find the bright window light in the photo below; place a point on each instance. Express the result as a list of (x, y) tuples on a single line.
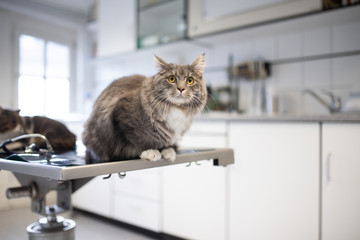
[(43, 84)]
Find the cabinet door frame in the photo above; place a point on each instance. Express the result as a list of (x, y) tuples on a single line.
[(200, 25), (340, 181)]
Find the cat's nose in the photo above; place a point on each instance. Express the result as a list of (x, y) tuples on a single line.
[(181, 89)]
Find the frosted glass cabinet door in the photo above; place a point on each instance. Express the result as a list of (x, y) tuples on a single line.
[(341, 182), (274, 183)]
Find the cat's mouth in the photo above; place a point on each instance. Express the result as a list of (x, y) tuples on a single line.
[(179, 99)]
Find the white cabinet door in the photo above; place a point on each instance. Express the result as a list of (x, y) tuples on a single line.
[(274, 183), (137, 199), (117, 27), (94, 197), (137, 211), (194, 201), (194, 198), (341, 182)]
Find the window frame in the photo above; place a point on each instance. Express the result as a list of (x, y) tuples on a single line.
[(53, 34)]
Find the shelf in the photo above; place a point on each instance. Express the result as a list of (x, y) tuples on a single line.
[(271, 28), (173, 48)]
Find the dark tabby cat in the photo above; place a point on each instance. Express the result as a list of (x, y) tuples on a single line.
[(12, 124), (144, 117)]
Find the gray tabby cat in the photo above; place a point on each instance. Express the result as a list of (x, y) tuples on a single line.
[(138, 116)]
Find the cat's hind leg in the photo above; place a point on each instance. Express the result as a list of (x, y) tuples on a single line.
[(169, 154), (151, 154)]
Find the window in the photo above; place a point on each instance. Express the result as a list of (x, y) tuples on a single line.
[(44, 73)]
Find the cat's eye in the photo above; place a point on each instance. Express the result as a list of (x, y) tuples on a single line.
[(172, 78), (190, 81)]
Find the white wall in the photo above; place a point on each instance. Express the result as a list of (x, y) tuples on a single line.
[(14, 20)]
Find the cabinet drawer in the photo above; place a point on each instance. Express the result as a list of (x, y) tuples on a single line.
[(142, 183), (195, 141), (136, 211), (208, 127), (94, 196)]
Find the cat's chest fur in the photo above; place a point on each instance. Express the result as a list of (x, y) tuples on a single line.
[(178, 121)]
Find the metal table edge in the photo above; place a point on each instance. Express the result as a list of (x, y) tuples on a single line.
[(224, 156)]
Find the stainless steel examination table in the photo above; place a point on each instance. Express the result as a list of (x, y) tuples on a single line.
[(67, 173)]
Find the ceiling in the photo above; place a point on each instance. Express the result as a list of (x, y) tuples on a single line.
[(78, 6)]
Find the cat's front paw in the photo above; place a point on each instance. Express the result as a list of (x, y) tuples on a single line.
[(169, 154), (151, 154)]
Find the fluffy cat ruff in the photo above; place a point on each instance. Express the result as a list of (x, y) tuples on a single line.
[(138, 116)]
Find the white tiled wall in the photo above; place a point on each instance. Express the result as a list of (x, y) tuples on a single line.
[(289, 45), (317, 41), (340, 75)]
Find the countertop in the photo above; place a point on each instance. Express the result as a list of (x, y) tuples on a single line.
[(336, 117)]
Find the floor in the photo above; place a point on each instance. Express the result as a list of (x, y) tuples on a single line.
[(13, 225)]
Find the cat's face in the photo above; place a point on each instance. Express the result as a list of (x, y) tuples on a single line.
[(9, 120), (181, 85)]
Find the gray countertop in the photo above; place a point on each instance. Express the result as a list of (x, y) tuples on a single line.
[(337, 117)]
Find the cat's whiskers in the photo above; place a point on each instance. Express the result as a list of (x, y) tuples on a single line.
[(158, 99)]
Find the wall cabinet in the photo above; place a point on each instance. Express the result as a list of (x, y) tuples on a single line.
[(341, 181), (117, 27), (208, 16), (274, 183)]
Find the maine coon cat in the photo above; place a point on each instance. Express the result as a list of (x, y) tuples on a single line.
[(12, 125), (139, 116)]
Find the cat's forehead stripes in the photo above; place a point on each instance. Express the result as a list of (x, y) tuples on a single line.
[(180, 71)]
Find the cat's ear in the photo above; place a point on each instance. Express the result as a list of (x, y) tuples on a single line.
[(1, 110), (161, 62), (199, 63)]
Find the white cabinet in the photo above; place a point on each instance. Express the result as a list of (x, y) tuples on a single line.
[(341, 181), (274, 183), (136, 199), (94, 197), (117, 27), (194, 198)]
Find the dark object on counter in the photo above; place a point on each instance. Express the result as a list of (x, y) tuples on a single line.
[(251, 70), (255, 70), (332, 4), (218, 99)]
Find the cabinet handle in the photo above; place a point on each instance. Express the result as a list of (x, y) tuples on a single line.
[(328, 167)]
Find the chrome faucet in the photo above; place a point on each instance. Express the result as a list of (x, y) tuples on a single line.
[(333, 106)]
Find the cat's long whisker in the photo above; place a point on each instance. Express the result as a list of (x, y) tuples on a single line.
[(157, 101)]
